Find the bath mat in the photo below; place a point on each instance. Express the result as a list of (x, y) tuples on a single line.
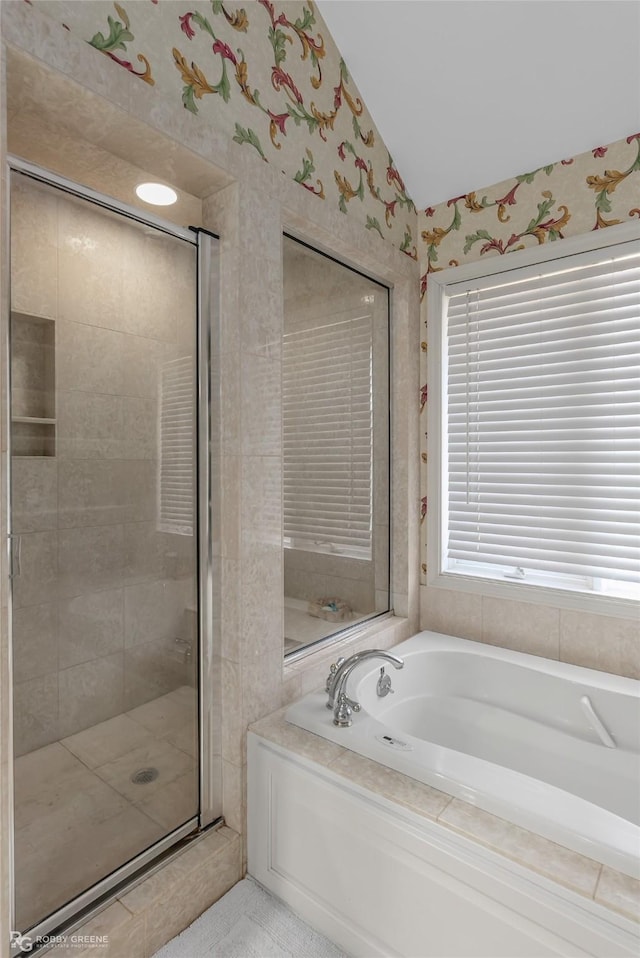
[(248, 922)]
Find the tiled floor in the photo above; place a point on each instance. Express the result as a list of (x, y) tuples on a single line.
[(79, 815)]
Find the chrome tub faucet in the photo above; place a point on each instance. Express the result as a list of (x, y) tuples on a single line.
[(336, 685)]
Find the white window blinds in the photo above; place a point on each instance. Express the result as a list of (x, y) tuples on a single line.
[(327, 424), (176, 466), (543, 398)]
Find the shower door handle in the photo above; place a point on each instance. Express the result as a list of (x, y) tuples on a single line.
[(15, 556)]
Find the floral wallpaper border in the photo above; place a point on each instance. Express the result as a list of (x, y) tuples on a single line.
[(592, 191), (270, 76)]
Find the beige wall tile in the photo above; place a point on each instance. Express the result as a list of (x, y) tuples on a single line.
[(90, 559), (34, 492), (263, 675), (152, 669), (146, 555), (158, 285), (91, 257), (261, 492), (453, 613), (38, 579), (260, 305), (231, 610), (34, 249), (261, 420), (89, 426), (90, 693), (140, 428), (141, 363), (230, 518), (91, 625), (299, 584), (522, 626), (234, 796), (89, 358), (233, 728), (231, 403), (260, 227), (600, 642), (92, 492), (153, 611), (35, 713), (34, 641), (261, 600)]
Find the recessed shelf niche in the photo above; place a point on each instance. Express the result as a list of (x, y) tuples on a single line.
[(33, 378)]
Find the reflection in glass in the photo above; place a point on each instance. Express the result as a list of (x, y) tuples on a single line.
[(335, 416)]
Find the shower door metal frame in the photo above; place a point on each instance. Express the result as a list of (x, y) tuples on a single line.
[(209, 711)]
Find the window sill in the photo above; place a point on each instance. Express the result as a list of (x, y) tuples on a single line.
[(539, 595), (388, 627)]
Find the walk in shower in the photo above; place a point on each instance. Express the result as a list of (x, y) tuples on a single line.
[(110, 539)]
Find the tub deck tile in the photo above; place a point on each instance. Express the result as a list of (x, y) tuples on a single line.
[(607, 886), (276, 729), (390, 784), (541, 855), (620, 892)]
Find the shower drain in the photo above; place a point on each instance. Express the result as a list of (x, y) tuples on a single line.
[(145, 775)]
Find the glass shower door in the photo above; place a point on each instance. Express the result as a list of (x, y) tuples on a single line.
[(104, 371)]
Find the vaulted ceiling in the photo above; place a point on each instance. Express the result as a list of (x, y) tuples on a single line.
[(467, 93)]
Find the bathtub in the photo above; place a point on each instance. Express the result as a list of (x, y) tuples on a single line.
[(545, 745)]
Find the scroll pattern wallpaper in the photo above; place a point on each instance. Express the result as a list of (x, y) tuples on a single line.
[(592, 191), (270, 76)]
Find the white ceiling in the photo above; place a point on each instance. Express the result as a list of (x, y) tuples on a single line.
[(466, 93)]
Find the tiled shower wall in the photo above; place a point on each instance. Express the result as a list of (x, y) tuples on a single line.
[(102, 594)]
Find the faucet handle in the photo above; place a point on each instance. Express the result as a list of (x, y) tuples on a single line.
[(383, 686), (343, 711), (332, 673)]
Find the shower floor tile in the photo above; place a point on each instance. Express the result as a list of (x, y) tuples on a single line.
[(79, 816), (173, 803), (107, 741), (163, 715), (169, 762)]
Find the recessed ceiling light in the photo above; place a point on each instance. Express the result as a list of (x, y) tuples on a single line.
[(156, 193)]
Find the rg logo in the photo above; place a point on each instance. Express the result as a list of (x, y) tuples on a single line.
[(20, 941)]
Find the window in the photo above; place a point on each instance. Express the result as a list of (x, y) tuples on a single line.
[(327, 426), (176, 507), (537, 468)]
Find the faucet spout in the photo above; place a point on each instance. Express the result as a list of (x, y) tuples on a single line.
[(336, 686)]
